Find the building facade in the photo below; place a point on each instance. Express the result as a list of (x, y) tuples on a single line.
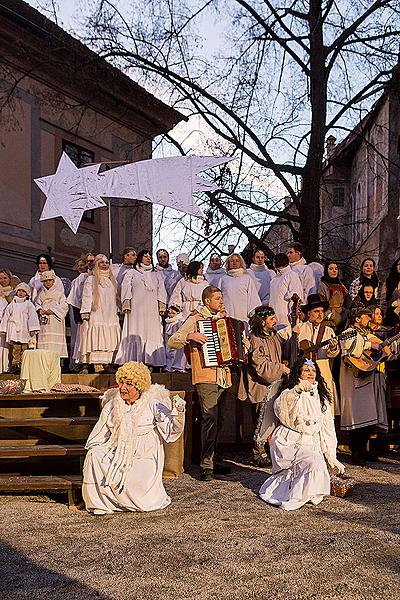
[(57, 95)]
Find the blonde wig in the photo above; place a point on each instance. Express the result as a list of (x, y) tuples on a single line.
[(134, 373), (228, 259)]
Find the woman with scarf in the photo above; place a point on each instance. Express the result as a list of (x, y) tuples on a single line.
[(239, 289), (144, 300), (100, 331), (124, 463), (390, 297), (303, 439), (188, 291), (367, 275), (364, 299), (51, 306), (44, 263), (332, 290), (8, 283)]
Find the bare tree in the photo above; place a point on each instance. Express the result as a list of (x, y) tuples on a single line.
[(279, 76)]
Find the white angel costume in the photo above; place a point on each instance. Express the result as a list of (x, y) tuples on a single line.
[(4, 347), (299, 445), (124, 464), (187, 294), (143, 295), (52, 333), (19, 319), (214, 275), (263, 277), (240, 294), (36, 285), (74, 300)]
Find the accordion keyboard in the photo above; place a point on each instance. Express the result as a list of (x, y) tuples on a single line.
[(211, 346)]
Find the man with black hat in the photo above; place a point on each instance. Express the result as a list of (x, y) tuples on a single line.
[(314, 332), (362, 394)]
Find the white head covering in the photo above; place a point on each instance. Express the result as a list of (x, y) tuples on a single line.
[(23, 286), (182, 258), (47, 275)]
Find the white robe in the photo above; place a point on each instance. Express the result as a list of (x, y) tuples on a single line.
[(171, 278), (36, 285), (142, 332), (298, 446), (52, 335), (101, 334), (239, 294), (306, 275), (19, 319), (4, 347), (213, 276), (263, 276), (285, 283), (187, 295), (142, 426), (175, 358)]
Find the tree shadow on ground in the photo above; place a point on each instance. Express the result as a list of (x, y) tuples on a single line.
[(22, 579)]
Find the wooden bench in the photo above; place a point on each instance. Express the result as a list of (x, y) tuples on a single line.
[(69, 483)]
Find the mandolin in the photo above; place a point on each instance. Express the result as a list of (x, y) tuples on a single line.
[(306, 348), (370, 359)]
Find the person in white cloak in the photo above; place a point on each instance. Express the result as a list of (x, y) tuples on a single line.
[(129, 256), (51, 306), (4, 347), (215, 269), (144, 301), (263, 275), (188, 291), (74, 300), (171, 276), (283, 286), (175, 358), (304, 271), (124, 463), (20, 324), (302, 441), (239, 289), (100, 331), (44, 263)]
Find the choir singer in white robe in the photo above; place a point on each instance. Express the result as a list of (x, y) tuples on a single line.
[(124, 464)]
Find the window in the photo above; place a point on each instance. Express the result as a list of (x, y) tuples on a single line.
[(338, 196), (80, 157)]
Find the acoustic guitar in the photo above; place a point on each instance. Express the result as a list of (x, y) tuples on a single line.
[(370, 359), (306, 348)]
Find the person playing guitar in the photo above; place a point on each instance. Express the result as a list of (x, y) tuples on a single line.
[(314, 333)]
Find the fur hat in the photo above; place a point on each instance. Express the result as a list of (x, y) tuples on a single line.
[(23, 286), (47, 275)]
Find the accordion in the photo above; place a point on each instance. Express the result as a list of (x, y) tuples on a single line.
[(224, 344)]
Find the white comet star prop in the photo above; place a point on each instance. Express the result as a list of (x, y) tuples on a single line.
[(167, 181)]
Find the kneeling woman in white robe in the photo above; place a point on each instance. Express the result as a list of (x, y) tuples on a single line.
[(124, 464), (304, 439)]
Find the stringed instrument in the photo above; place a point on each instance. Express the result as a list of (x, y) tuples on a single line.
[(294, 315), (370, 359), (306, 348)]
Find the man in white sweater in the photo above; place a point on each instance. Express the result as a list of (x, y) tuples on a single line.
[(304, 271)]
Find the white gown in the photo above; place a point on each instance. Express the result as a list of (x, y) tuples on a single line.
[(298, 446), (143, 426), (285, 283), (52, 335), (36, 285), (171, 278), (187, 295), (101, 334), (4, 347), (239, 293), (263, 276), (142, 332), (74, 299), (213, 276)]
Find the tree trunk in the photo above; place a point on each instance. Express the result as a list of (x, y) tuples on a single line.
[(310, 212)]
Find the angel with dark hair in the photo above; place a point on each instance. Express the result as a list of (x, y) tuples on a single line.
[(303, 439)]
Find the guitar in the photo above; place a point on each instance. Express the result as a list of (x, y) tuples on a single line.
[(370, 359), (307, 349)]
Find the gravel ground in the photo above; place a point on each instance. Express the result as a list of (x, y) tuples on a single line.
[(216, 540)]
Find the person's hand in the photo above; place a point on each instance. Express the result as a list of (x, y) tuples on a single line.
[(296, 328), (286, 370), (33, 333), (48, 312), (303, 386), (197, 337), (375, 346), (246, 343), (85, 316), (334, 463), (333, 345)]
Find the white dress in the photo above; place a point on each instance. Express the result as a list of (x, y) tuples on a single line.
[(19, 319), (285, 283), (101, 334), (263, 276), (74, 300), (52, 334), (187, 294), (171, 278), (239, 294), (124, 464), (175, 358), (142, 332), (213, 276), (4, 347), (304, 436)]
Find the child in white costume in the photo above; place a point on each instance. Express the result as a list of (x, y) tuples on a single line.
[(124, 464), (52, 309), (20, 324), (303, 440), (4, 347)]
